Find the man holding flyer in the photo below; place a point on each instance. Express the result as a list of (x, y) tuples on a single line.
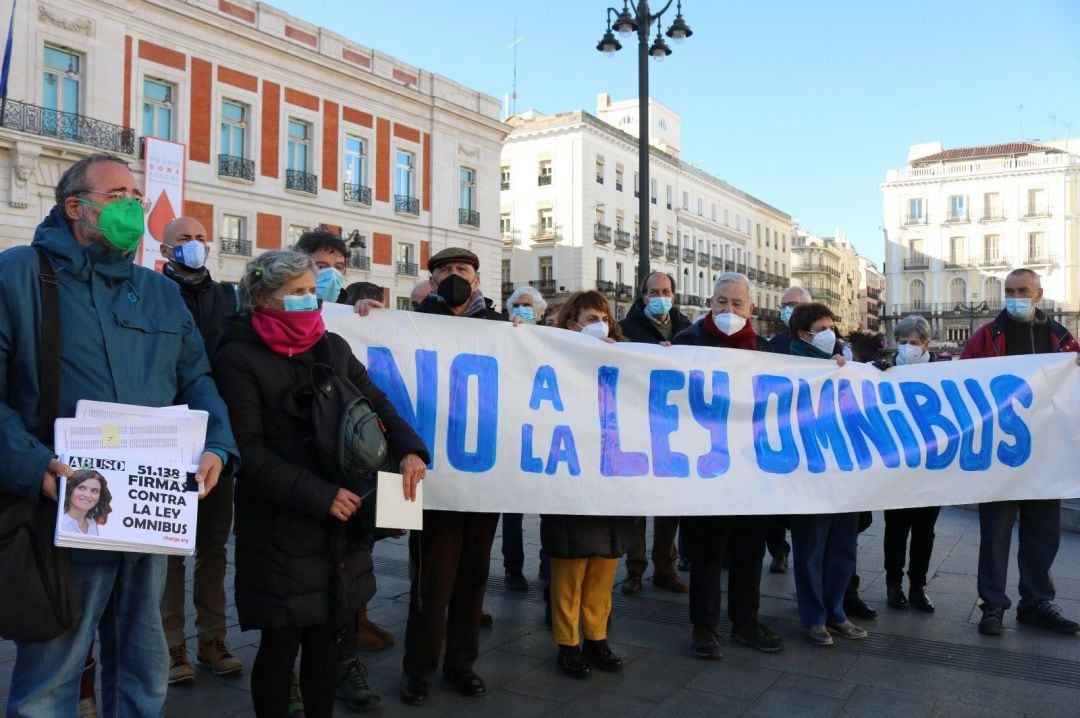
[(125, 336)]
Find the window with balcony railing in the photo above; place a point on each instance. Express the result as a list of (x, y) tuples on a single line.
[(403, 204), (602, 233), (469, 217), (356, 194), (300, 181), (359, 261), (237, 167), (240, 247), (407, 269)]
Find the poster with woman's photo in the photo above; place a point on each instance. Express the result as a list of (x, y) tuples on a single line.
[(123, 503)]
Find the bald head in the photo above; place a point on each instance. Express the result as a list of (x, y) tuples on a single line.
[(419, 293), (184, 229)]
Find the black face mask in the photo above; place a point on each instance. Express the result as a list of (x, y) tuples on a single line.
[(454, 290)]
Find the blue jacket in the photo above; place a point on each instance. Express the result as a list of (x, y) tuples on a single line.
[(125, 336)]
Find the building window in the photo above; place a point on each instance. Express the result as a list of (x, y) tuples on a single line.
[(600, 268), (916, 211), (686, 201), (917, 292), (700, 207), (547, 271), (60, 91), (599, 169), (403, 304), (993, 291), (355, 161), (991, 206), (544, 178), (234, 117), (233, 236), (504, 223), (652, 191), (157, 109), (727, 218), (670, 193), (957, 291), (618, 178), (404, 170), (991, 248), (546, 220), (504, 177), (299, 146), (637, 185), (466, 188), (712, 212), (958, 208), (1036, 247), (956, 251), (1037, 206), (295, 230)]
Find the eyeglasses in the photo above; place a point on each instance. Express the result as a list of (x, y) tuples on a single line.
[(117, 196)]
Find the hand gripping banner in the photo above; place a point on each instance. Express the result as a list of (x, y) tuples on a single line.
[(541, 420)]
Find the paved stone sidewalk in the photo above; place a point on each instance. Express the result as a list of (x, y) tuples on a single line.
[(912, 665)]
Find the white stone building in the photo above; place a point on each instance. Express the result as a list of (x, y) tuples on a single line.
[(286, 125), (871, 294), (829, 269), (569, 212), (958, 221)]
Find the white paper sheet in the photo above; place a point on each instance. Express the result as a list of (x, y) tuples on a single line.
[(392, 511)]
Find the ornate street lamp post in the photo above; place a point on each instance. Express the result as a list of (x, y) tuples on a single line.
[(630, 19)]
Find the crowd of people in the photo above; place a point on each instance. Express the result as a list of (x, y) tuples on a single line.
[(304, 541)]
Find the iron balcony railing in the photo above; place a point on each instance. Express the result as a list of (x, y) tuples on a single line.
[(241, 247), (1039, 258), (911, 219), (717, 263), (507, 288), (359, 261), (24, 117), (468, 217), (603, 285), (238, 167), (956, 217), (405, 204), (922, 262), (357, 194), (623, 290), (656, 249), (672, 252), (505, 184), (602, 233), (543, 180), (542, 234), (546, 286), (622, 238), (407, 268), (688, 255), (703, 259), (1037, 210), (301, 181)]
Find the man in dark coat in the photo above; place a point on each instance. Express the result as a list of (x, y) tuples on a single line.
[(451, 556), (185, 248), (1022, 328), (742, 537), (653, 319)]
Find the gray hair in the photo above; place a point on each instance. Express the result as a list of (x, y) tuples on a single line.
[(803, 292), (270, 271), (73, 181), (913, 323), (735, 277), (539, 304)]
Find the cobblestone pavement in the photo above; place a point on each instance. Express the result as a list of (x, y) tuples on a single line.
[(913, 664)]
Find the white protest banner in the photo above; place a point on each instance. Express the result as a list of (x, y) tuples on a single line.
[(541, 420)]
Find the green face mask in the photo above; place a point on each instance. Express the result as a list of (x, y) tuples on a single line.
[(122, 222)]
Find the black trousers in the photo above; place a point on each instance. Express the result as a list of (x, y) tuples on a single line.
[(776, 537), (274, 662), (450, 559), (920, 524), (743, 538)]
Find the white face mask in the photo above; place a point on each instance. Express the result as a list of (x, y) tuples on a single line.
[(824, 341), (729, 323), (911, 354), (596, 329)]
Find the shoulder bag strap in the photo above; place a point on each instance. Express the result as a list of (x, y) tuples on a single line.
[(49, 357)]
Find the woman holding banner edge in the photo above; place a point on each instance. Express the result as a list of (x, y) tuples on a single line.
[(584, 550), (823, 545)]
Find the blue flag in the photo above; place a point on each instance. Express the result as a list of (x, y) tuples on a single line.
[(7, 53)]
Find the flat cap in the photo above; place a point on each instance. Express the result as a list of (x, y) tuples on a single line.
[(452, 254)]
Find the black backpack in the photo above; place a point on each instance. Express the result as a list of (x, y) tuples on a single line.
[(350, 438)]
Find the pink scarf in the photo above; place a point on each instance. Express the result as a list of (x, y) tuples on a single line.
[(288, 333)]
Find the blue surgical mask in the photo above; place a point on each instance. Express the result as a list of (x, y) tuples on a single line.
[(1019, 308), (300, 302), (328, 284), (659, 306), (785, 314), (526, 313), (190, 254)]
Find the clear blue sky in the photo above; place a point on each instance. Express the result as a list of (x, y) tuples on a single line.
[(804, 105)]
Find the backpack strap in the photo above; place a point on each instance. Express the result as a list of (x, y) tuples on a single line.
[(49, 356)]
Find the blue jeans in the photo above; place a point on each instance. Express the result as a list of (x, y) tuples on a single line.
[(823, 557), (1040, 537), (122, 599)]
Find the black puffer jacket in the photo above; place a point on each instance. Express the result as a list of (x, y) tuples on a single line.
[(209, 302), (284, 534), (637, 327), (586, 536)]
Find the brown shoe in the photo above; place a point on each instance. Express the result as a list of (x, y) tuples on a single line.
[(671, 582), (179, 667), (631, 585), (367, 624), (366, 640), (215, 656)]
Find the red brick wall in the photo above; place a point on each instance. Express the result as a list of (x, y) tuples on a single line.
[(406, 133), (127, 80), (271, 128), (204, 213), (425, 202), (301, 99), (330, 146), (268, 231), (236, 11), (299, 35), (202, 80), (355, 57), (382, 161), (382, 251), (425, 252), (162, 55), (237, 79), (357, 117)]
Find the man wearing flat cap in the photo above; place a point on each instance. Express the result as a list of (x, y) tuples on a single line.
[(450, 557)]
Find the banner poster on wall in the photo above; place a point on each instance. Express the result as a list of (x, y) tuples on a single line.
[(164, 172)]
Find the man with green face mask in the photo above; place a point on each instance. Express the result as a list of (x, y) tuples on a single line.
[(125, 336)]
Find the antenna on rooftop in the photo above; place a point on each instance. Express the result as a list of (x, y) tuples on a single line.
[(512, 104)]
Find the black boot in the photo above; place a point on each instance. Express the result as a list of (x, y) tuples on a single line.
[(896, 598), (572, 662), (919, 599), (547, 606)]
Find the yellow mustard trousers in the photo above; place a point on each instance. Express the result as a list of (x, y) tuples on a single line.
[(581, 587)]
